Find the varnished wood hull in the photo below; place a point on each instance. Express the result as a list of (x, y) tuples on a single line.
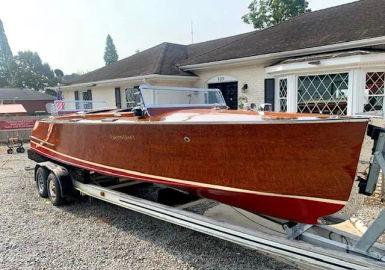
[(294, 171)]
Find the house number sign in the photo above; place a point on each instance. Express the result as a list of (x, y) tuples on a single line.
[(221, 79)]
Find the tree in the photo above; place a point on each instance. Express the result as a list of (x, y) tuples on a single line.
[(265, 13), (5, 58), (28, 71), (110, 54)]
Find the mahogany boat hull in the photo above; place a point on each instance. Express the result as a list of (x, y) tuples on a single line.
[(294, 171)]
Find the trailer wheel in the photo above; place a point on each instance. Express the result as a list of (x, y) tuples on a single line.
[(41, 176), (54, 190), (20, 149), (10, 151)]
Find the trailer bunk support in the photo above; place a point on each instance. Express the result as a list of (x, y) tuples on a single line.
[(368, 186), (371, 235)]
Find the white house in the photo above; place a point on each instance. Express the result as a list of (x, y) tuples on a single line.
[(328, 61)]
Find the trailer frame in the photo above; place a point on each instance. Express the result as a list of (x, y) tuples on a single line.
[(303, 245)]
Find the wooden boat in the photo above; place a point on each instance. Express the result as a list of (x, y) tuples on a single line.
[(296, 167)]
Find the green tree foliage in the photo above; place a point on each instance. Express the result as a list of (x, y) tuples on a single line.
[(25, 70), (28, 71), (5, 58), (110, 54), (265, 13)]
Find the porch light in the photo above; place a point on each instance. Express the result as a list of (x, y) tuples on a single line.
[(244, 88)]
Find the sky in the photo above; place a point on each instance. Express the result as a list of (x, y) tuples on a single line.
[(71, 34)]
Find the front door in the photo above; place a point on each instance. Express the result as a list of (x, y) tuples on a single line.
[(229, 91)]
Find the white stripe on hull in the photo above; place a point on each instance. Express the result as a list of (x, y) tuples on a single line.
[(191, 183)]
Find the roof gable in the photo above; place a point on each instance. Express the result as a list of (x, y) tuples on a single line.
[(160, 59)]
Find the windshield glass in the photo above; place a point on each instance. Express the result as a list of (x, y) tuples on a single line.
[(181, 97)]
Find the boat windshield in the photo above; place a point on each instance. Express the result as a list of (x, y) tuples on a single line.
[(155, 97)]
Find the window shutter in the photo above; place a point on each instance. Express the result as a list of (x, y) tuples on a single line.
[(118, 98), (77, 99)]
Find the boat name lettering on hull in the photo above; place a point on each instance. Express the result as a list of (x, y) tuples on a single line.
[(122, 137)]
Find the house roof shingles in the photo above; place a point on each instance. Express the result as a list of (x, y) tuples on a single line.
[(23, 94), (354, 21), (160, 59), (349, 22)]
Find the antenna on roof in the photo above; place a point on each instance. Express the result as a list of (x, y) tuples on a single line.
[(192, 32)]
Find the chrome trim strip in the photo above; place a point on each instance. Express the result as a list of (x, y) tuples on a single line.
[(41, 141), (257, 122)]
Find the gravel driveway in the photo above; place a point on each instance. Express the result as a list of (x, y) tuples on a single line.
[(96, 235)]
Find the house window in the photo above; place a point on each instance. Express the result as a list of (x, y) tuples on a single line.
[(374, 92), (132, 97), (282, 95), (87, 98), (326, 94)]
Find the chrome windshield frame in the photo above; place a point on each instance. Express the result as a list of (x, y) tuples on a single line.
[(150, 87)]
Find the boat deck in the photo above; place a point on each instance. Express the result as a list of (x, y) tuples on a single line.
[(180, 115)]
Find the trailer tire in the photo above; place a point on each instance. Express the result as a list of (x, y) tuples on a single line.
[(41, 176), (54, 190), (10, 151)]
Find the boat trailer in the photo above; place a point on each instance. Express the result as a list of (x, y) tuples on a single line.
[(321, 246), (368, 185), (308, 246)]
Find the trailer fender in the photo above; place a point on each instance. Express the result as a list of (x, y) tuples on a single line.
[(61, 174)]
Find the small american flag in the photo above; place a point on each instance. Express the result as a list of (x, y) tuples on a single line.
[(59, 104)]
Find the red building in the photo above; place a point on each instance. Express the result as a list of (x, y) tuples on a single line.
[(33, 101)]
